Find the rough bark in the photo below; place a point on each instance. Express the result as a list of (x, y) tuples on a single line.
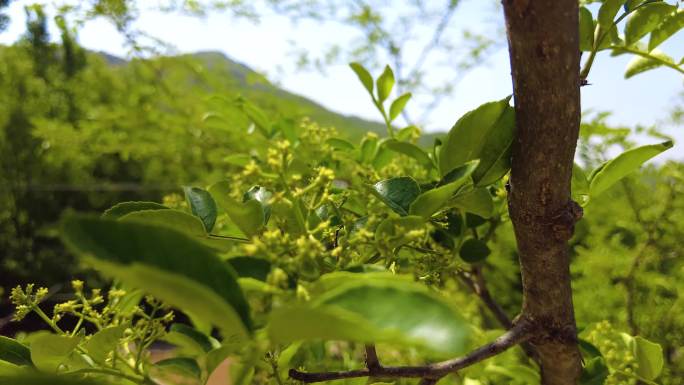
[(544, 54)]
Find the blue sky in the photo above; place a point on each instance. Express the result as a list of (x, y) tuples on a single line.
[(646, 99)]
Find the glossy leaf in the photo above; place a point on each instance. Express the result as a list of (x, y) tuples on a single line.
[(398, 312), (469, 135), (474, 250), (165, 263), (397, 193), (478, 201), (364, 76), (49, 351), (398, 105), (385, 83), (431, 201), (625, 163), (646, 19), (202, 205), (248, 216), (119, 210), (255, 115), (671, 25), (411, 150), (14, 352), (104, 342), (586, 25)]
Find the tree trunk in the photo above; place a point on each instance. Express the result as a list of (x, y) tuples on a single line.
[(544, 52)]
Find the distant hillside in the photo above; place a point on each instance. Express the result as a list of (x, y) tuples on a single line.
[(228, 77)]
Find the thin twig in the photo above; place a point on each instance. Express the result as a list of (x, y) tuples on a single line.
[(521, 332)]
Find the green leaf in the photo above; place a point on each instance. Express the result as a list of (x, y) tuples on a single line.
[(608, 11), (250, 267), (478, 201), (474, 250), (104, 342), (468, 136), (179, 366), (580, 184), (644, 61), (594, 372), (625, 163), (397, 193), (14, 352), (204, 342), (248, 216), (385, 84), (673, 24), (119, 210), (433, 200), (646, 19), (398, 105), (364, 76), (383, 310), (185, 223), (202, 205), (586, 25), (49, 351), (411, 150), (165, 263), (262, 195), (369, 146), (649, 356), (495, 155), (340, 144)]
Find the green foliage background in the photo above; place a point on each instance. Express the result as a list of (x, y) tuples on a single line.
[(81, 130)]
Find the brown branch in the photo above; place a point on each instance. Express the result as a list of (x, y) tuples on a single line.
[(477, 283), (521, 332), (372, 361)]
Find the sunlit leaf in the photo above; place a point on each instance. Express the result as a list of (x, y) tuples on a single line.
[(385, 84), (671, 25), (646, 19), (625, 163), (398, 105), (397, 193), (364, 76), (165, 263), (397, 312)]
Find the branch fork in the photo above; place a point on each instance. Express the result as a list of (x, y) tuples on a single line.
[(521, 332)]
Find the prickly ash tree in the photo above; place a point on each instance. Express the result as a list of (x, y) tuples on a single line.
[(545, 60)]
